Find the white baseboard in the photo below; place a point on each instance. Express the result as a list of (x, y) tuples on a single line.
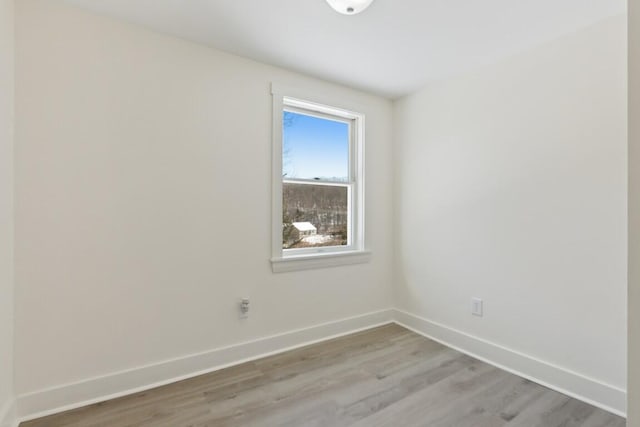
[(61, 398), (590, 390), (75, 395), (8, 414)]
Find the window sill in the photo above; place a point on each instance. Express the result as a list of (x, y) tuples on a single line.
[(314, 261)]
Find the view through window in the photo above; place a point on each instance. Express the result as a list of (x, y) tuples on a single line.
[(316, 180)]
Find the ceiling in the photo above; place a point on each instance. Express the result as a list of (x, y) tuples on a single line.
[(391, 49)]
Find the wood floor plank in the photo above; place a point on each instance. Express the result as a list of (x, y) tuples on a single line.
[(385, 377)]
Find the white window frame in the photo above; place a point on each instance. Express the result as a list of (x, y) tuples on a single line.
[(287, 99)]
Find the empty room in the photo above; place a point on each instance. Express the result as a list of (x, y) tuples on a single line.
[(334, 213)]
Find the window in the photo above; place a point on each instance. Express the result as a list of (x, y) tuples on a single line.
[(318, 185)]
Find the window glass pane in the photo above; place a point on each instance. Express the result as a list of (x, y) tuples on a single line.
[(314, 148), (314, 215)]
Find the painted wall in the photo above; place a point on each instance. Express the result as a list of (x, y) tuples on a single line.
[(6, 206), (634, 215), (143, 200), (512, 187)]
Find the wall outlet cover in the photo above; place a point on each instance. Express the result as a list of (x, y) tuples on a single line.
[(476, 307)]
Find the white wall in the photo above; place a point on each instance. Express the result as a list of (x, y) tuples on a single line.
[(142, 200), (511, 187), (634, 215), (6, 207)]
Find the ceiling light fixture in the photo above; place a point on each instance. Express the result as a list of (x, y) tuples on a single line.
[(349, 7)]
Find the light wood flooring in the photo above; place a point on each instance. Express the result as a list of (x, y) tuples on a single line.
[(387, 376)]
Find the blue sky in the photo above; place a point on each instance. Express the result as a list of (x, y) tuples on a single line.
[(314, 147)]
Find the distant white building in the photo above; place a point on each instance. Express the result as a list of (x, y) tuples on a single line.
[(303, 229)]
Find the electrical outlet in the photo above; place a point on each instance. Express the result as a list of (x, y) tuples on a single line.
[(244, 308), (476, 307)]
